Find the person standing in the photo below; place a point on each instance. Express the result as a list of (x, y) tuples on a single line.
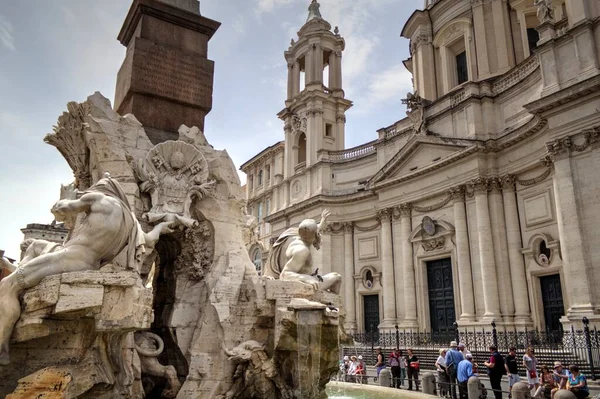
[(453, 358), (394, 361), (412, 362), (530, 363), (462, 349), (403, 366), (510, 364), (442, 376), (464, 372), (380, 365), (496, 370), (352, 369)]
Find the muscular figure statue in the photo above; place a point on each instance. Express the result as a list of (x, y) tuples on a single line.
[(290, 258), (103, 226)]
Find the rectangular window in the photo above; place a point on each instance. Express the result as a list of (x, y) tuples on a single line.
[(462, 71), (328, 130), (533, 37), (259, 211)]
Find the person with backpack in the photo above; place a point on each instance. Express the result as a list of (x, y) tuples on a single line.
[(453, 358), (496, 370)]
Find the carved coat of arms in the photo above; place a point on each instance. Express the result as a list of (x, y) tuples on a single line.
[(174, 173), (428, 226)]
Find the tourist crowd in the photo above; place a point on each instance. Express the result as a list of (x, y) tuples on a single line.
[(456, 365)]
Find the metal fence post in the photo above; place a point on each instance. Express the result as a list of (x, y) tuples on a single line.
[(457, 336), (494, 334), (588, 344), (372, 340), (397, 337)]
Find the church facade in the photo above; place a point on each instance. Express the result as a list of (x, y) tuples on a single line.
[(483, 203)]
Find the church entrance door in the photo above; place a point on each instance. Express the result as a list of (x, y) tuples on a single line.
[(552, 300), (441, 295), (371, 312)]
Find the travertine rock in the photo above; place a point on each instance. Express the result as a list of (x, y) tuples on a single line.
[(205, 293)]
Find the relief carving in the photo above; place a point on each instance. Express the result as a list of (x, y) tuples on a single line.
[(432, 245), (175, 174)]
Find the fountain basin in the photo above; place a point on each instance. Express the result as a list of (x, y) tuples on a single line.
[(345, 390)]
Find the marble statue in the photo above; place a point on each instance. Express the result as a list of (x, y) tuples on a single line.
[(290, 258), (102, 226), (415, 109), (148, 347), (174, 173), (256, 375), (545, 11)]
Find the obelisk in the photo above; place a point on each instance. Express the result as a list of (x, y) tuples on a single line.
[(166, 78)]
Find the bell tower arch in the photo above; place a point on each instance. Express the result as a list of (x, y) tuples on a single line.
[(315, 108)]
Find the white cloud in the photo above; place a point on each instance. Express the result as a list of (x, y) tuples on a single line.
[(264, 6), (6, 34), (388, 85)]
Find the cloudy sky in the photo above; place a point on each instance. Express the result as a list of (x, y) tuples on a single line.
[(56, 51)]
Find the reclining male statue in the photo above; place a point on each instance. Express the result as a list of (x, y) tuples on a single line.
[(102, 225), (290, 258)]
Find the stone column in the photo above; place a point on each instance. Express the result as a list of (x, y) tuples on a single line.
[(463, 255), (486, 249), (309, 66), (332, 66), (296, 78), (338, 69), (319, 63), (515, 258), (483, 62), (349, 277), (290, 83), (387, 270), (507, 305), (410, 294), (569, 230)]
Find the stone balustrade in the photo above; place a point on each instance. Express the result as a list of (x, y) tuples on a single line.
[(353, 153)]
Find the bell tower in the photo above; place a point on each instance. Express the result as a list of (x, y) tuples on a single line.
[(314, 113)]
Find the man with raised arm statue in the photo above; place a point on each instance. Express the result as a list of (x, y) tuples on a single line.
[(103, 225), (290, 258)]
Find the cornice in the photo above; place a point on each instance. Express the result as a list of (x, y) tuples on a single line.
[(165, 12), (564, 96)]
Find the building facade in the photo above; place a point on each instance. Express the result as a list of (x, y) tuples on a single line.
[(482, 203)]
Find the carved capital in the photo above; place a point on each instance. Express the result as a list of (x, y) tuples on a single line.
[(559, 149), (404, 210), (480, 185), (507, 182), (348, 227), (341, 118), (494, 184), (457, 194), (314, 112), (384, 214)]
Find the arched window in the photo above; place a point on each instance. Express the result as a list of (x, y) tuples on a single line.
[(260, 177), (301, 148), (257, 260)]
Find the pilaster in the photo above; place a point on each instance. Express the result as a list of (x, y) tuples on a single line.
[(410, 294), (349, 289), (486, 249), (387, 270), (467, 302)]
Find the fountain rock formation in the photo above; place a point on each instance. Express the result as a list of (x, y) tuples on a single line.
[(190, 318)]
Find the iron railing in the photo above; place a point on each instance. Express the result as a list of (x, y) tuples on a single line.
[(580, 347)]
